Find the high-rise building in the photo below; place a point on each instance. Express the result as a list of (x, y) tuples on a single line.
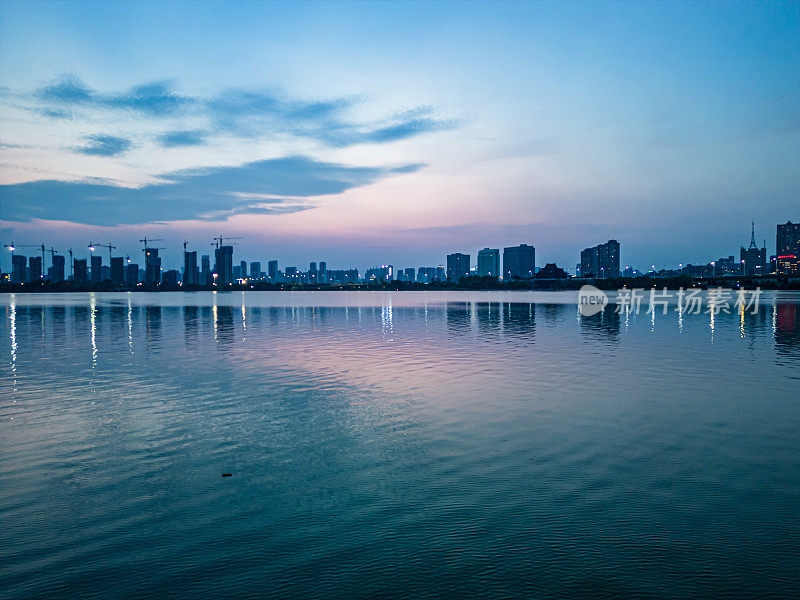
[(34, 268), (457, 266), (79, 270), (312, 272), (152, 266), (19, 268), (205, 270), (601, 261), (191, 274), (323, 272), (753, 259), (224, 265), (787, 249), (255, 270), (132, 274), (519, 262), (243, 269), (117, 274), (97, 268), (56, 272), (489, 262), (409, 274), (272, 270)]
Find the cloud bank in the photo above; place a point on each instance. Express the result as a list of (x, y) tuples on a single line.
[(211, 194)]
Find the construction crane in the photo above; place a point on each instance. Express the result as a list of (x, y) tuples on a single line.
[(146, 247), (52, 252), (145, 240), (109, 246), (219, 240)]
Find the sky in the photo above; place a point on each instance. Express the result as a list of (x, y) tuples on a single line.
[(369, 133)]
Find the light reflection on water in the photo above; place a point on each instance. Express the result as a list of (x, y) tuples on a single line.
[(412, 445)]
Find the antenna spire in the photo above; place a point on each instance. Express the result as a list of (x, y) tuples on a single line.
[(753, 236)]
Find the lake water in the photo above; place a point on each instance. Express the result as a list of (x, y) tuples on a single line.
[(404, 445)]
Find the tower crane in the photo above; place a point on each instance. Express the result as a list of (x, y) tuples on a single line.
[(219, 240), (109, 246)]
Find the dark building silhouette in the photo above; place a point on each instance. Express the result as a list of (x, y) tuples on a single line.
[(19, 268), (489, 262), (312, 272), (457, 266), (753, 259), (272, 270), (170, 278), (787, 249), (117, 269), (323, 272), (132, 274), (430, 274), (255, 270), (243, 269), (190, 272), (97, 268), (551, 271), (343, 276), (34, 268), (224, 265), (80, 270), (601, 261), (152, 267), (409, 274), (56, 272), (519, 262), (205, 270)]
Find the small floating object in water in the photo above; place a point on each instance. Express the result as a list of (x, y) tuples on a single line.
[(227, 474)]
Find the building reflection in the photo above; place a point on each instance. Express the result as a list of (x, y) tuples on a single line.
[(457, 317), (604, 325), (224, 328), (787, 330), (191, 325), (519, 319), (489, 317), (58, 318), (118, 316), (152, 320)]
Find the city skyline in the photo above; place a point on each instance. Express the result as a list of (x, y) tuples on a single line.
[(401, 130), (602, 261)]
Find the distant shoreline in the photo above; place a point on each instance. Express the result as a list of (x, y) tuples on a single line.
[(466, 284)]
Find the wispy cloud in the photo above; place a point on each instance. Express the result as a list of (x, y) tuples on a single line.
[(182, 137), (155, 99), (250, 114), (205, 193), (105, 145)]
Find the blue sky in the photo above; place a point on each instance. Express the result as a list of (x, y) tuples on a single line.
[(395, 132)]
